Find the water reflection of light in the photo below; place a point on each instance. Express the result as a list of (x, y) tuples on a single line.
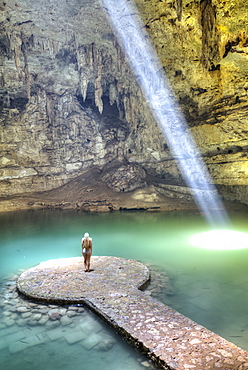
[(149, 73), (220, 240), (60, 262)]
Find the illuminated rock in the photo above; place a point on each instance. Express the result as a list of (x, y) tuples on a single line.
[(68, 100)]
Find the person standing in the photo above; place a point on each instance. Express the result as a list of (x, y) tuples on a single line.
[(87, 251)]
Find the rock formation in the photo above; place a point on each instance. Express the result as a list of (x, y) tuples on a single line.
[(69, 101)]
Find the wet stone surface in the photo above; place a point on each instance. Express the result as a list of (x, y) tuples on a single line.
[(111, 289), (46, 335)]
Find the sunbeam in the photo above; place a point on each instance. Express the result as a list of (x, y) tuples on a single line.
[(146, 67)]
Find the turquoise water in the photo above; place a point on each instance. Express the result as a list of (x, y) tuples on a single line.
[(211, 287)]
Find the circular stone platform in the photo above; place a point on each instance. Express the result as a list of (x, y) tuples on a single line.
[(64, 279), (170, 339)]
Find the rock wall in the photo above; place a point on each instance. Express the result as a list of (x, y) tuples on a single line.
[(203, 46), (68, 100)]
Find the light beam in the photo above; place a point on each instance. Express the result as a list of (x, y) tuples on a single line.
[(148, 71), (220, 240)]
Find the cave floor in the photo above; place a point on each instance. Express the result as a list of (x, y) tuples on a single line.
[(112, 290), (89, 193)]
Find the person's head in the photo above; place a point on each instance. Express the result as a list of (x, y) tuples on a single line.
[(86, 235)]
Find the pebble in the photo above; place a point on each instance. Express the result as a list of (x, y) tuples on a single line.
[(54, 316), (52, 324), (65, 320), (26, 314), (6, 313), (36, 316), (62, 311), (72, 308), (12, 309), (22, 309), (71, 313), (9, 322), (31, 304), (13, 316), (44, 310), (54, 310), (145, 364), (21, 322), (14, 301), (43, 319), (106, 344), (32, 322)]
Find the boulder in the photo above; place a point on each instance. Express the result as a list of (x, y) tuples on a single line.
[(127, 177)]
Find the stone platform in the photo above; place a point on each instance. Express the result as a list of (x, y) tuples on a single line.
[(111, 289)]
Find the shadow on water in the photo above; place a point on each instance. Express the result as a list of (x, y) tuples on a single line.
[(211, 287)]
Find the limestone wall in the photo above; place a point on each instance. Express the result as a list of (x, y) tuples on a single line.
[(68, 99), (204, 50)]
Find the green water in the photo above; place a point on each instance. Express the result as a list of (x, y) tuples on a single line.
[(211, 287)]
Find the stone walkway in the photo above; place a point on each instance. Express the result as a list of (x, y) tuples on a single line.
[(111, 289)]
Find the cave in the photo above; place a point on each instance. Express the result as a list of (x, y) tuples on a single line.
[(95, 94), (76, 96), (77, 130)]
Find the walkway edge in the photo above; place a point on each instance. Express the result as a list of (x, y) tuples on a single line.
[(111, 290)]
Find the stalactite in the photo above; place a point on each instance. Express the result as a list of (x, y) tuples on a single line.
[(50, 109), (83, 76), (113, 96), (2, 81), (26, 69), (70, 77), (15, 46), (210, 38), (179, 8), (100, 76), (98, 94), (46, 44), (98, 85), (83, 84)]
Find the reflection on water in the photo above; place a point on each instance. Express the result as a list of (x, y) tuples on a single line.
[(211, 287)]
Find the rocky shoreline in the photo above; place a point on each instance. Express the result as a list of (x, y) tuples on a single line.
[(90, 193)]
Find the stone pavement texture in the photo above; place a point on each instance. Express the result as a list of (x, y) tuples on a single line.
[(111, 289)]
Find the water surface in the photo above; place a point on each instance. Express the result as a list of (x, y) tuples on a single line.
[(210, 287)]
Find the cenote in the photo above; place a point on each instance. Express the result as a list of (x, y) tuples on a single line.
[(209, 286)]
